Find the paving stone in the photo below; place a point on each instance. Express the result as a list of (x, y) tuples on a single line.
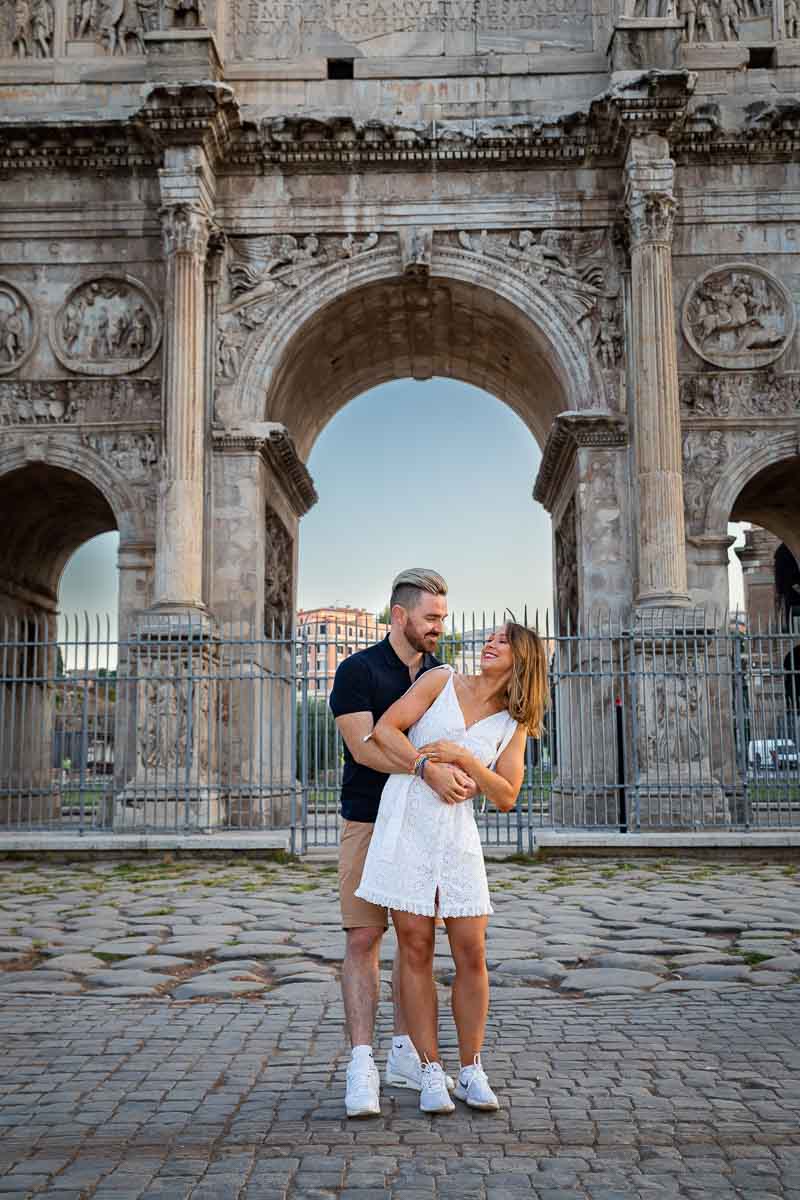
[(152, 962), (123, 977), (712, 971), (125, 947), (607, 977), (78, 963), (632, 962), (213, 986), (197, 943), (546, 968)]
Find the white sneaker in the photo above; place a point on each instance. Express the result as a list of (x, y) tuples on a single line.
[(434, 1096), (404, 1069), (363, 1095), (473, 1088)]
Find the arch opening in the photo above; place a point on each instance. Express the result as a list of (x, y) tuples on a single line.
[(437, 474), (399, 328), (771, 499), (47, 512)]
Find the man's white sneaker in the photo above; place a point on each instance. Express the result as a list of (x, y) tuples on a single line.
[(363, 1095), (404, 1069), (473, 1088), (434, 1096)]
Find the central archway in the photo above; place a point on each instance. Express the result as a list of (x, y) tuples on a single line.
[(412, 329)]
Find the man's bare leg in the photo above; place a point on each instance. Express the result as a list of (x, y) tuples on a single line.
[(361, 982)]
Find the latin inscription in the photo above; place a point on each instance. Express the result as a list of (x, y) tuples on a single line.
[(294, 25)]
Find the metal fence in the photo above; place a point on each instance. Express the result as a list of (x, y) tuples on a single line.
[(185, 728)]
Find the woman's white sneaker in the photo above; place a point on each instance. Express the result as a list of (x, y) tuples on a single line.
[(473, 1088), (404, 1069), (434, 1096), (363, 1095)]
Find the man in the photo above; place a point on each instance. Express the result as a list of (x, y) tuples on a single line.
[(366, 685)]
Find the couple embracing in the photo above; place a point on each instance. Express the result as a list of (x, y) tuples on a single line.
[(421, 741)]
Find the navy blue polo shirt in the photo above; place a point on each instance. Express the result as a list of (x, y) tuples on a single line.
[(369, 681)]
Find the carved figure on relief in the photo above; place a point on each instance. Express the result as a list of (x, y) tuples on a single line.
[(791, 17), (16, 328), (135, 455), (34, 26), (738, 316), (121, 20), (188, 14), (106, 326), (257, 260), (34, 403)]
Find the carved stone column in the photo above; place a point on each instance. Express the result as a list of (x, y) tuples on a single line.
[(650, 206), (179, 547)]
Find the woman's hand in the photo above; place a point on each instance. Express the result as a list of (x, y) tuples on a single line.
[(451, 785), (444, 751)]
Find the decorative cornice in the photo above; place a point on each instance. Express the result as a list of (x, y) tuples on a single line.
[(101, 147), (190, 114), (274, 443), (569, 432)]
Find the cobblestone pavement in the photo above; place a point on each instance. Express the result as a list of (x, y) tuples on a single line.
[(118, 1083), (198, 929)]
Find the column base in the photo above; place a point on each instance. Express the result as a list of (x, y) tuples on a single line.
[(685, 802), (150, 807)]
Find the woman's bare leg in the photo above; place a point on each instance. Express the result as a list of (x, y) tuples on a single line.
[(415, 942), (471, 985)]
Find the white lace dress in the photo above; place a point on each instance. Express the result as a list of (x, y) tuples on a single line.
[(420, 845)]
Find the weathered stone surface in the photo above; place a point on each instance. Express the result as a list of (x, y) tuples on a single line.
[(607, 978)]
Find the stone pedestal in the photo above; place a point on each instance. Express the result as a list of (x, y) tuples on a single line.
[(175, 55), (171, 682), (636, 41), (676, 688)]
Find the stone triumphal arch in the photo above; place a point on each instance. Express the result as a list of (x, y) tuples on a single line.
[(221, 222)]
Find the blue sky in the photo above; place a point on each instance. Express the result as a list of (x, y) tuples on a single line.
[(433, 473)]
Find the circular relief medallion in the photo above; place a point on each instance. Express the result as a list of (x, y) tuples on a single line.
[(738, 316), (18, 328), (107, 326)]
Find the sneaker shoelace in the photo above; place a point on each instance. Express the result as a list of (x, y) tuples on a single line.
[(432, 1074)]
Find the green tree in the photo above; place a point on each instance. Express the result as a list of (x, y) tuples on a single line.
[(320, 732), (385, 615)]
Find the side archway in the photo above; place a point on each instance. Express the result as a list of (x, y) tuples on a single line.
[(51, 502), (760, 485)]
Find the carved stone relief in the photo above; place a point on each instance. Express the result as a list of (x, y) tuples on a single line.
[(738, 316), (579, 268), (78, 401), (669, 719), (705, 455), (265, 270), (135, 455), (18, 328), (108, 326), (277, 576), (566, 569), (750, 394), (725, 20), (32, 28), (163, 741), (278, 261)]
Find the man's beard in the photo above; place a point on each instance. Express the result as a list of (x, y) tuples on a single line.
[(417, 641)]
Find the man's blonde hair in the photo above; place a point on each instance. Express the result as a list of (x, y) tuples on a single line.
[(408, 587)]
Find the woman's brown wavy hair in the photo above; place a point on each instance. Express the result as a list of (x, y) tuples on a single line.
[(528, 691)]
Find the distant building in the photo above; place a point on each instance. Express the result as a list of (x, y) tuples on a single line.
[(328, 635)]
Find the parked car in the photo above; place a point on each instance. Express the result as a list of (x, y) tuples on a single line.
[(773, 754)]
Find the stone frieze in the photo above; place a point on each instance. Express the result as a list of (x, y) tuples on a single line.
[(740, 395)]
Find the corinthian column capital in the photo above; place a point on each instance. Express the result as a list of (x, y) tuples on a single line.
[(650, 203), (185, 229)]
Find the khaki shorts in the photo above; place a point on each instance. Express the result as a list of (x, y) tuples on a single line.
[(357, 913)]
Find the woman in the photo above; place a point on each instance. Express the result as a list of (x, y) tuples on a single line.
[(425, 854)]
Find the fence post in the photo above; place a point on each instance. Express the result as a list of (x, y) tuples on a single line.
[(303, 748)]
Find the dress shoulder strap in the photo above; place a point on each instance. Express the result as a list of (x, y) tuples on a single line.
[(508, 732)]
